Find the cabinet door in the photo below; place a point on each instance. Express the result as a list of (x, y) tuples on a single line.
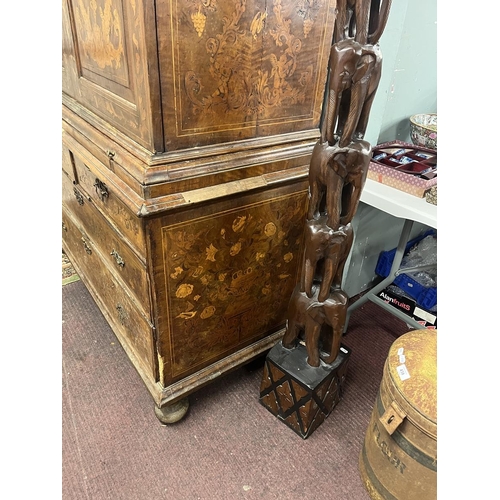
[(242, 69), (106, 65)]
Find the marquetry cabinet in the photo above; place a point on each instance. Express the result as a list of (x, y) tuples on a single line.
[(187, 129)]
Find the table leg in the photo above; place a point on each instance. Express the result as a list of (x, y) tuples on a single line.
[(396, 263)]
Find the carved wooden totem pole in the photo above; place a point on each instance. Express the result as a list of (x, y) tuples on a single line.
[(305, 372)]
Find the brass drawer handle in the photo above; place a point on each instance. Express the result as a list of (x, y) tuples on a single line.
[(118, 259), (111, 157), (101, 189), (86, 246), (78, 196)]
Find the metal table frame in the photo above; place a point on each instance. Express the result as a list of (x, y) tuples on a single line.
[(411, 209)]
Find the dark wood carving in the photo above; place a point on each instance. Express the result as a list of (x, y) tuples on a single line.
[(338, 169), (311, 314), (298, 394), (325, 254), (362, 20)]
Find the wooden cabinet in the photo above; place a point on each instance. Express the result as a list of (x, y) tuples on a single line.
[(187, 133)]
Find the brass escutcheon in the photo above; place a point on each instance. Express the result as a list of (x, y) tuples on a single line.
[(118, 259), (101, 189), (78, 196), (86, 246)]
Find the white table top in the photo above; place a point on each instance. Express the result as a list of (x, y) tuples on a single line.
[(398, 203)]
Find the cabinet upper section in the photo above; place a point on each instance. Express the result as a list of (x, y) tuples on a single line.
[(176, 74)]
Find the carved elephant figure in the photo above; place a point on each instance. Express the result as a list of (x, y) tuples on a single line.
[(338, 175), (355, 72), (344, 59), (310, 315), (321, 177), (355, 107), (356, 169), (329, 246)]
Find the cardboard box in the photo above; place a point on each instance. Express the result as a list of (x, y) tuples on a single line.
[(389, 171), (410, 308)]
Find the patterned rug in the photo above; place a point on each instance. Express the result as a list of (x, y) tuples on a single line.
[(68, 272)]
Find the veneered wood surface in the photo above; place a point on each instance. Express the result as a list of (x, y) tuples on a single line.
[(238, 69), (198, 118), (105, 64), (173, 75), (223, 276), (133, 328)]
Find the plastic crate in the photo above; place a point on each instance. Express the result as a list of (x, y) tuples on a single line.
[(386, 258), (426, 297)]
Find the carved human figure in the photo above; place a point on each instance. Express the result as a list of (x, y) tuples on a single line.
[(338, 175), (328, 247), (311, 316)]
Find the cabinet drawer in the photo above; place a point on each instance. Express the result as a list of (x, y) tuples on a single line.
[(134, 329), (109, 198), (117, 255)]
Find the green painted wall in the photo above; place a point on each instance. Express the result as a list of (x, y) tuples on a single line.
[(409, 70), (408, 86)]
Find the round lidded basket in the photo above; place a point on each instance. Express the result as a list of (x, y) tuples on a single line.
[(423, 130)]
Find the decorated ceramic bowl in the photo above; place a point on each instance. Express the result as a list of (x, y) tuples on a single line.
[(423, 130)]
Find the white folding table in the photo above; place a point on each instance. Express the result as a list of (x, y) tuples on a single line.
[(411, 209)]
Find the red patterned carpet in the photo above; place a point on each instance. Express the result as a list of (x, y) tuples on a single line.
[(228, 446)]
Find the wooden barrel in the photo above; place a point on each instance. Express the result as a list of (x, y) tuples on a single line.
[(399, 455)]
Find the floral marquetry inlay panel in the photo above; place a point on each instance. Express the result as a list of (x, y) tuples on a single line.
[(100, 34), (107, 68), (246, 63), (229, 277)]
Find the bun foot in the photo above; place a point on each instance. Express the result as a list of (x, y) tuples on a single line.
[(171, 413)]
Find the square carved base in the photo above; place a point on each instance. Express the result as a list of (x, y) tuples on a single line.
[(300, 395)]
